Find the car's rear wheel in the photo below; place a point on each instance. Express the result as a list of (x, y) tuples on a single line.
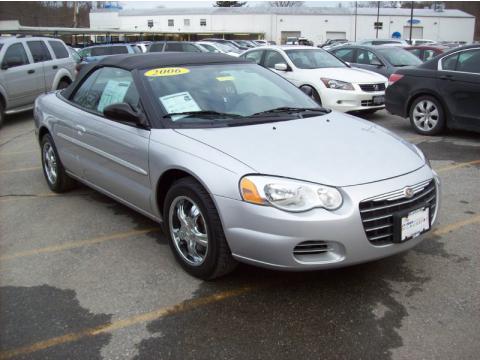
[(195, 232), (427, 116), (53, 170)]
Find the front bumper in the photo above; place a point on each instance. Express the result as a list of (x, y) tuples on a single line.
[(350, 100), (266, 236)]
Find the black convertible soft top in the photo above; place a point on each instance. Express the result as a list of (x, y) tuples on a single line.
[(152, 60)]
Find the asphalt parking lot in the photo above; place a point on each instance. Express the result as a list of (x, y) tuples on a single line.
[(83, 277)]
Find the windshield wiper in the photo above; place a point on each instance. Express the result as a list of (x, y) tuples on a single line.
[(188, 114), (287, 109)]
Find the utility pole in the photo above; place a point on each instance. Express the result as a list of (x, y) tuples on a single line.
[(378, 16), (75, 11), (356, 11), (411, 23)]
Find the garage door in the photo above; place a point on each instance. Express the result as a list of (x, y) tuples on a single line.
[(336, 35), (417, 32), (287, 34)]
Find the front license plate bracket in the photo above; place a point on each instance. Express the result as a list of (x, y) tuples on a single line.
[(409, 224)]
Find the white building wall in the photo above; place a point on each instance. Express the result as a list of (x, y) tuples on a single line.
[(313, 27)]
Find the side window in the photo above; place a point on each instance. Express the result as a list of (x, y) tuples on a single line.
[(272, 58), (15, 56), (255, 56), (58, 49), (174, 47), (190, 48), (85, 52), (450, 62), (107, 86), (39, 51), (469, 61), (367, 57), (156, 47), (428, 54), (416, 52), (345, 54)]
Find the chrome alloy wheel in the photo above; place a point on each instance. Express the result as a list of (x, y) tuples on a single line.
[(50, 163), (425, 115), (188, 230)]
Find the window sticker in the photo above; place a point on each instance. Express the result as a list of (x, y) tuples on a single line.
[(225, 78), (178, 103), (167, 71), (114, 92)]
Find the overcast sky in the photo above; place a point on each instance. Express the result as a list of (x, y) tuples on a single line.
[(191, 4)]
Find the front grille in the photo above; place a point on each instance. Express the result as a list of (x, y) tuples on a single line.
[(311, 247), (372, 87), (370, 103), (377, 213)]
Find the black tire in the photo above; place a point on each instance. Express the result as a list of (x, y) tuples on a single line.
[(63, 84), (434, 120), (218, 260), (62, 181), (2, 113), (314, 94)]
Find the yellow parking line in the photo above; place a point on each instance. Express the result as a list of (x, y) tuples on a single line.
[(76, 244), (127, 322), (456, 225), (20, 169), (459, 165), (165, 311)]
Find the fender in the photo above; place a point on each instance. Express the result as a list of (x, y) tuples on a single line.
[(61, 73)]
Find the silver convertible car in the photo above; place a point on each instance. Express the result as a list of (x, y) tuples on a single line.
[(236, 163)]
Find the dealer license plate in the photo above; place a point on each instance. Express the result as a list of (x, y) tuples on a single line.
[(378, 100), (415, 223)]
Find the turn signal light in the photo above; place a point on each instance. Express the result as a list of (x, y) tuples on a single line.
[(394, 78), (249, 192)]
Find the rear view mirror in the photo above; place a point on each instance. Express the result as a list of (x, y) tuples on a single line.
[(281, 67), (123, 112)]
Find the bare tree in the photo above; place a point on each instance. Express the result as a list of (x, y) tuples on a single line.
[(229, 3), (286, 3)]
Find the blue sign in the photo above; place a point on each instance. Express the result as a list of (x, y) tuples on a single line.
[(396, 35), (413, 21)]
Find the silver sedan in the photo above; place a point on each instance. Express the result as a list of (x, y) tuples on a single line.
[(236, 163)]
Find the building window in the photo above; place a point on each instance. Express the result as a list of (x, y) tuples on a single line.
[(186, 22), (203, 22), (170, 22)]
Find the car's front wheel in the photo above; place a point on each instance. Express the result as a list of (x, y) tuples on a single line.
[(427, 116), (53, 170), (195, 232)]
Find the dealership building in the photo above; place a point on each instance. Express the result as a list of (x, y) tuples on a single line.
[(313, 23)]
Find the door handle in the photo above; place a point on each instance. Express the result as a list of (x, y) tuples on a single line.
[(54, 67), (31, 71), (446, 77), (80, 130)]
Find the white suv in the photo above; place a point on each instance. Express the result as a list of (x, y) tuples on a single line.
[(30, 67)]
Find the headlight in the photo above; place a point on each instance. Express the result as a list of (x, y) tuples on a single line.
[(289, 195), (337, 84)]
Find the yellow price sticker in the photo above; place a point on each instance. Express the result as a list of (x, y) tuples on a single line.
[(225, 78), (167, 71)]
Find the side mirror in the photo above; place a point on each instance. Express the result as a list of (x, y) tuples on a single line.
[(348, 64), (123, 112), (281, 67), (376, 63)]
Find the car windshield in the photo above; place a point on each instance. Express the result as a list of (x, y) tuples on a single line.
[(313, 59), (209, 94), (108, 50), (399, 57)]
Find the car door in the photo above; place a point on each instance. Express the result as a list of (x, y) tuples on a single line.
[(23, 79), (62, 59), (366, 59), (459, 85), (42, 57), (273, 57), (111, 155)]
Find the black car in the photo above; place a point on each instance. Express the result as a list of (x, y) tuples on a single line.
[(443, 92), (384, 60)]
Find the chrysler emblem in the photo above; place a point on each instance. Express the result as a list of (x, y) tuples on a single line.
[(408, 192)]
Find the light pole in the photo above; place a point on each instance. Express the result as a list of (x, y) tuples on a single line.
[(355, 30), (411, 22), (378, 16)]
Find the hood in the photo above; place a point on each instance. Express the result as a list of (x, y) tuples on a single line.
[(334, 149), (351, 75)]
